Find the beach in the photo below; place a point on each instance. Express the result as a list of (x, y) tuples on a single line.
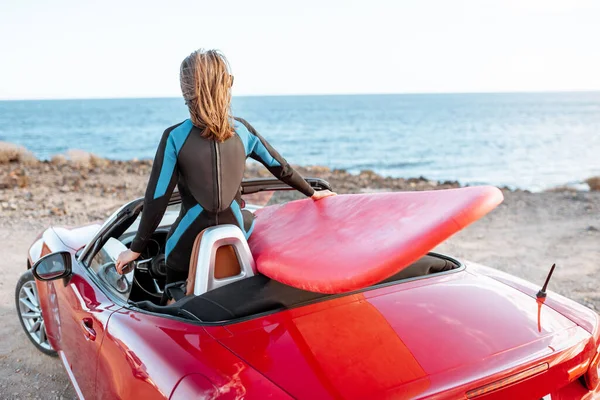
[(524, 236)]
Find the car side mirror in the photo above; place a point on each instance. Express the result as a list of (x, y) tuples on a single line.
[(53, 266)]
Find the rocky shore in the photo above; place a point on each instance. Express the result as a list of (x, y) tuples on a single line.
[(79, 185)]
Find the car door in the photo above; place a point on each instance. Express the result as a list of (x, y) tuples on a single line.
[(83, 312), (76, 307)]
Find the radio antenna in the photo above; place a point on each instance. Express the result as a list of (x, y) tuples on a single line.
[(542, 293)]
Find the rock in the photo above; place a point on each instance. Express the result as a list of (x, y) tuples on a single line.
[(367, 172), (19, 177), (11, 153), (15, 178), (58, 159), (318, 169), (58, 211), (5, 182), (592, 228), (594, 183), (84, 159), (98, 162), (451, 183), (562, 189), (79, 158)]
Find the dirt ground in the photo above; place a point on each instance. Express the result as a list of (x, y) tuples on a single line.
[(524, 236), (25, 373)]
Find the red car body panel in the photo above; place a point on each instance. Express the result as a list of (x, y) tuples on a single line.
[(581, 315), (84, 314), (79, 315), (146, 356), (441, 336), (438, 337)]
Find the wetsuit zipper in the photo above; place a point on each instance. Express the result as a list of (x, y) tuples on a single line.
[(218, 175)]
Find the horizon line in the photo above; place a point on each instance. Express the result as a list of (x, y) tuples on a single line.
[(313, 95)]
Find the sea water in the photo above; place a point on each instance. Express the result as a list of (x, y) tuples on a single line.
[(527, 140)]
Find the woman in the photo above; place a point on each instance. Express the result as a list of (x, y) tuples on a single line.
[(205, 156)]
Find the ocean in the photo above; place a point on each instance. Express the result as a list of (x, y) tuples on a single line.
[(522, 140)]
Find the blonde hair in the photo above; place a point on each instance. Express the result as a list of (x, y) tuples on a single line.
[(206, 87)]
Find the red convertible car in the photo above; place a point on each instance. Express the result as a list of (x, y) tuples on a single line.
[(441, 328)]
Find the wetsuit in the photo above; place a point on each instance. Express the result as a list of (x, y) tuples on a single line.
[(209, 175)]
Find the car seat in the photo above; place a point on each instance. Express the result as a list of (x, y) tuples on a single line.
[(220, 256)]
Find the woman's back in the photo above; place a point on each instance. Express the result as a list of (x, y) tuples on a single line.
[(209, 171)]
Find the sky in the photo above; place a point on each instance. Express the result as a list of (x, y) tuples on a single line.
[(113, 49)]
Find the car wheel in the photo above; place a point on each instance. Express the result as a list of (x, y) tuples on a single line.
[(30, 313)]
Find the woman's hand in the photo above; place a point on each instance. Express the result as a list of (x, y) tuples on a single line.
[(125, 258), (321, 194)]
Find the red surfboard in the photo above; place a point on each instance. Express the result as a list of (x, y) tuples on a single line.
[(349, 242)]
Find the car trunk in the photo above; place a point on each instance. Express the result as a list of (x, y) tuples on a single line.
[(450, 334)]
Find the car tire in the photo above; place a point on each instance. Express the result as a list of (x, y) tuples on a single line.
[(30, 315)]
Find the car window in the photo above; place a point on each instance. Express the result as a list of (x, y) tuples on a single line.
[(103, 266)]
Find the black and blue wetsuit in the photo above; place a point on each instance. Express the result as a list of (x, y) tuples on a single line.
[(208, 174)]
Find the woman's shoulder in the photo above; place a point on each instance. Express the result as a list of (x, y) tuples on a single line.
[(177, 132), (242, 123), (179, 129), (185, 124)]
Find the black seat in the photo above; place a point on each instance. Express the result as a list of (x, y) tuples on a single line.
[(250, 296)]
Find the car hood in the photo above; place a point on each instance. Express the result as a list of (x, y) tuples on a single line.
[(412, 339)]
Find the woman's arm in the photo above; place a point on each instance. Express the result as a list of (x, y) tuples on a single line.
[(161, 184), (260, 150)]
